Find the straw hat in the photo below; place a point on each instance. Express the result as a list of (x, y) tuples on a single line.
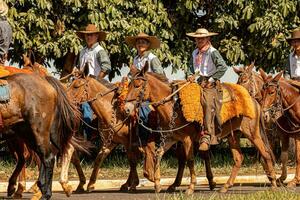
[(154, 41), (91, 28), (295, 35), (201, 33), (3, 8)]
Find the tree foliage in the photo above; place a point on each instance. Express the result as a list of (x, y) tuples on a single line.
[(249, 29)]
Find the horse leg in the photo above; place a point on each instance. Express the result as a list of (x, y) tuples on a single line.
[(209, 175), (21, 184), (19, 150), (284, 157), (296, 180), (82, 180), (66, 159), (188, 147), (104, 152), (268, 166), (234, 143), (46, 174), (134, 178), (181, 158), (160, 152)]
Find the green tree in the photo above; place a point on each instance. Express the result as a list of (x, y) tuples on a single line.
[(249, 29)]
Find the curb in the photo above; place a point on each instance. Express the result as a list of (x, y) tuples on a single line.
[(116, 184)]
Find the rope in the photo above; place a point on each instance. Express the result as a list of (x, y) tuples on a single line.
[(290, 132), (162, 131)]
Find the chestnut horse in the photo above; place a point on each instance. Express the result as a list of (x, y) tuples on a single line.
[(113, 125), (40, 113), (149, 86), (281, 105), (253, 82)]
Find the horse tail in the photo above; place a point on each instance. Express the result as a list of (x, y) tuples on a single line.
[(264, 136), (67, 120)]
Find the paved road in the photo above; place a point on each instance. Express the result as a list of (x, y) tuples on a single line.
[(148, 193)]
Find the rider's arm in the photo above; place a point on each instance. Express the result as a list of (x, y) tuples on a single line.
[(220, 64), (155, 65), (105, 64)]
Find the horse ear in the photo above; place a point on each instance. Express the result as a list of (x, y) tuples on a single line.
[(145, 68), (278, 76), (263, 74), (31, 56), (237, 70), (133, 70), (251, 66), (86, 69)]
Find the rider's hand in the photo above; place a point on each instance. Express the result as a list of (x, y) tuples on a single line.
[(191, 78)]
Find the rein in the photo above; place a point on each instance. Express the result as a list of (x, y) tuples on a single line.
[(278, 106)]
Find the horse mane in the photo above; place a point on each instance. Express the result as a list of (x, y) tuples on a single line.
[(106, 83), (293, 90), (160, 77)]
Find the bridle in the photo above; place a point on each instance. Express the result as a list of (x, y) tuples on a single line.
[(277, 106), (253, 89)]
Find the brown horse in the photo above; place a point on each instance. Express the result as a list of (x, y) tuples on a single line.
[(150, 86), (253, 82), (40, 113), (113, 127), (281, 105)]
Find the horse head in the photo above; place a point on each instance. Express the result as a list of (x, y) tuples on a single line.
[(250, 80), (271, 97)]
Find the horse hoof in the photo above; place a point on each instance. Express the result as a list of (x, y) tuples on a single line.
[(124, 188), (225, 188), (37, 196), (291, 185), (157, 188), (189, 191), (90, 188), (68, 191), (212, 185), (171, 189), (17, 196), (132, 189), (79, 190), (11, 191)]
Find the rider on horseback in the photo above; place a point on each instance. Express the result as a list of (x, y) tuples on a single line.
[(94, 55), (293, 67), (5, 33), (209, 66), (97, 60), (143, 43)]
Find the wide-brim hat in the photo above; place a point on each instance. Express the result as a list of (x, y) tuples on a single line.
[(153, 40), (201, 33), (295, 35), (3, 8), (89, 29)]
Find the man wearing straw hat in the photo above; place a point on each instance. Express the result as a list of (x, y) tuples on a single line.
[(5, 33), (293, 66), (209, 66), (93, 54), (143, 44)]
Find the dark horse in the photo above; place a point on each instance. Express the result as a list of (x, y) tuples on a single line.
[(40, 113)]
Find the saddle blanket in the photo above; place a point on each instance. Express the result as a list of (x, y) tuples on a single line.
[(236, 102)]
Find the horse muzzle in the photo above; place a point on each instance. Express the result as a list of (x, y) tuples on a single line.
[(129, 109)]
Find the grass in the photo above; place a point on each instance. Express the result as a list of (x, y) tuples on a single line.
[(277, 195), (116, 166)]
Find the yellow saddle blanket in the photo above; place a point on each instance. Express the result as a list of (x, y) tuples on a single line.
[(236, 102)]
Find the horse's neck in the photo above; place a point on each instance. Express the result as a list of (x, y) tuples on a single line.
[(290, 96), (160, 90), (103, 106), (258, 81)]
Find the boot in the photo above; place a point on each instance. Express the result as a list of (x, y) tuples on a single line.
[(204, 143)]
